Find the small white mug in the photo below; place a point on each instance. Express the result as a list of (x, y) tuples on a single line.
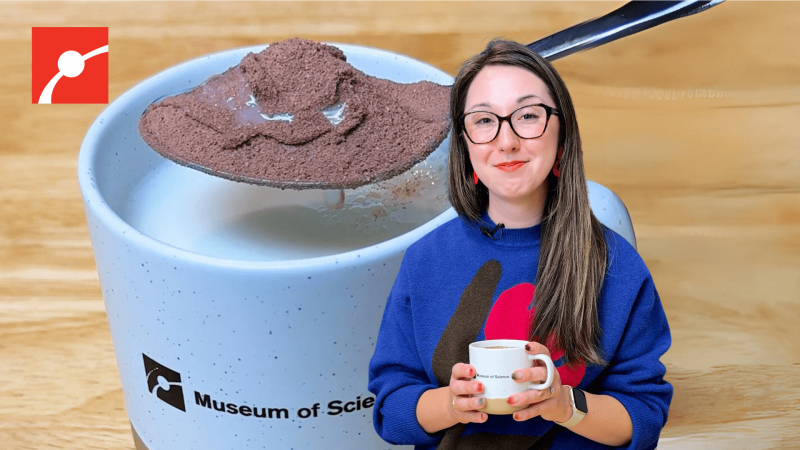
[(494, 362)]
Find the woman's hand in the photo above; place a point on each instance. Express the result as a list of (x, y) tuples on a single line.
[(463, 407), (550, 406)]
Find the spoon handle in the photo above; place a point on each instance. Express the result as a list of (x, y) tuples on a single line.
[(631, 18)]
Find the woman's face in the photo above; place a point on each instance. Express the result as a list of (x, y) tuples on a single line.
[(501, 90)]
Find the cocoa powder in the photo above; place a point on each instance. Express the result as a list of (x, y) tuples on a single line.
[(347, 129)]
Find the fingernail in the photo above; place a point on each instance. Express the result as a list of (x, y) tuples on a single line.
[(516, 376), (516, 417), (480, 387), (511, 400), (472, 372), (481, 401), (528, 347), (483, 416)]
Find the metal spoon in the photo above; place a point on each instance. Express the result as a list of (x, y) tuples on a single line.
[(629, 19)]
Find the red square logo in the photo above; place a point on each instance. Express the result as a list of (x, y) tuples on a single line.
[(70, 65)]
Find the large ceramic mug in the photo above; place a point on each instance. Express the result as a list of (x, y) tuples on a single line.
[(224, 344)]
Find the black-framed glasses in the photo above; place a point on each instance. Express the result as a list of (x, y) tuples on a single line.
[(527, 122)]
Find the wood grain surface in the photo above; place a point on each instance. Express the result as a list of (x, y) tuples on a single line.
[(693, 124)]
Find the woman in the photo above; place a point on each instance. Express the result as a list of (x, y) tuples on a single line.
[(553, 276)]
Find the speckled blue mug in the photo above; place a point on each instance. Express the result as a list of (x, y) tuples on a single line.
[(223, 353)]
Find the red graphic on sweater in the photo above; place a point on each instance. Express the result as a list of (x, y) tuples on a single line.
[(510, 318)]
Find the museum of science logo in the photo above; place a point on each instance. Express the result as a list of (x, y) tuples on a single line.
[(165, 384)]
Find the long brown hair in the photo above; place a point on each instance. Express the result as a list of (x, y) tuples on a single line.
[(572, 259)]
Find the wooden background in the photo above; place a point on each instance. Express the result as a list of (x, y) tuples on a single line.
[(693, 124)]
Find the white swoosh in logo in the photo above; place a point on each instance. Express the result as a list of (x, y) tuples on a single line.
[(47, 93)]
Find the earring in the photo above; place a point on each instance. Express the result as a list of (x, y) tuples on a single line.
[(556, 170), (474, 174)]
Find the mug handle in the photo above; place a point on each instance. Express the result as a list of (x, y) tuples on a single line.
[(551, 369)]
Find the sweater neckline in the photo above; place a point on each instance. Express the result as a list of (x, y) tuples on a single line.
[(510, 236)]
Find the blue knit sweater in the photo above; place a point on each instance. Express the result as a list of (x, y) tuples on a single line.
[(456, 286)]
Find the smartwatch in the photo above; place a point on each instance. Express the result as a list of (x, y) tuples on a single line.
[(577, 399)]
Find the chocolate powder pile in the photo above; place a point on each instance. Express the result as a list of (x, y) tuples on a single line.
[(346, 128)]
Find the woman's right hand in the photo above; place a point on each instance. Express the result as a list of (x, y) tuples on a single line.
[(463, 407)]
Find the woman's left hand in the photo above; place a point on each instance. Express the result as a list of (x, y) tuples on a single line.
[(555, 406)]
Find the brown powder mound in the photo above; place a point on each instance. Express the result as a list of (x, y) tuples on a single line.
[(347, 129)]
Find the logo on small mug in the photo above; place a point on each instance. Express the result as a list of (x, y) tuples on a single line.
[(164, 382), (69, 65), (480, 375)]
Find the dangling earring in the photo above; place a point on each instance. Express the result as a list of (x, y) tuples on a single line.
[(556, 170), (474, 174)]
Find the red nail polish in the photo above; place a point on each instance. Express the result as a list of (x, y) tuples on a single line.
[(510, 400), (528, 347)]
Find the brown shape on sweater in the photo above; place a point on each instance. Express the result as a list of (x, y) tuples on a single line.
[(453, 347), (483, 441), (466, 322)]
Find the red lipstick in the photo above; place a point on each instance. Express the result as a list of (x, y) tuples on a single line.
[(510, 166)]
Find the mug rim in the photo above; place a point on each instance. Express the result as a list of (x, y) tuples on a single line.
[(516, 344)]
